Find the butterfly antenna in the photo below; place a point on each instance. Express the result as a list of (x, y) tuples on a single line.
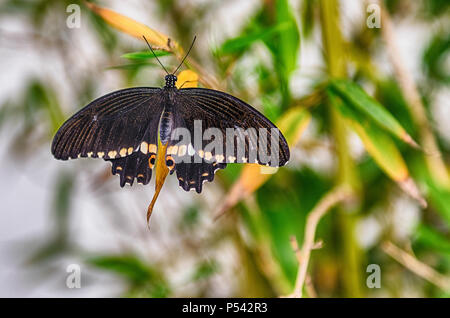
[(192, 44), (155, 54)]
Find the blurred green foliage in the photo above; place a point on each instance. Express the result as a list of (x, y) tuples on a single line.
[(144, 280), (260, 228)]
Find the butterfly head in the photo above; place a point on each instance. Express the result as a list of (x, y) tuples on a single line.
[(170, 80)]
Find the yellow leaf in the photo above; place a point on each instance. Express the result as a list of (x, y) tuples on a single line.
[(386, 154), (380, 147), (136, 29), (293, 124), (187, 78), (161, 172), (157, 39)]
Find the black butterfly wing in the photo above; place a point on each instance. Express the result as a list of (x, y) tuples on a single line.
[(193, 175), (121, 127), (220, 111), (133, 166)]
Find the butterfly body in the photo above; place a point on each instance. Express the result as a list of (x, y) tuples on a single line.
[(123, 127), (166, 124)]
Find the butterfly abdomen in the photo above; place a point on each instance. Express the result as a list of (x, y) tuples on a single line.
[(165, 127), (167, 118)]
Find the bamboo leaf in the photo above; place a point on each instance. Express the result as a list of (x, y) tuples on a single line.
[(289, 40), (240, 43), (439, 197), (130, 66), (136, 29), (284, 45), (144, 55), (145, 281), (380, 147), (436, 193), (431, 238), (129, 267), (356, 97)]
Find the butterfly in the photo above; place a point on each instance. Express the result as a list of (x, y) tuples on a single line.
[(133, 127)]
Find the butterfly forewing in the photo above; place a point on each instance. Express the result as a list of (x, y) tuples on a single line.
[(115, 127), (244, 130), (111, 126)]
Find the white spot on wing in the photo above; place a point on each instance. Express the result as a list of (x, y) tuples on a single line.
[(190, 150)]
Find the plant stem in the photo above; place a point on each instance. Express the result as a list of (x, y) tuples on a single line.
[(411, 94), (350, 268), (416, 266), (323, 206)]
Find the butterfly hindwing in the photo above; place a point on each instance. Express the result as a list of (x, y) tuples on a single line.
[(193, 175), (133, 166)]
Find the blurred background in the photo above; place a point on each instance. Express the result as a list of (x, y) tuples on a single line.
[(282, 57)]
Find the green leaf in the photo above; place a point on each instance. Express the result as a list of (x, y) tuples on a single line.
[(283, 209), (62, 201), (190, 218), (433, 239), (130, 66), (205, 270), (353, 95), (308, 17), (240, 43), (376, 142), (284, 46), (434, 8), (145, 55), (289, 40), (389, 94), (437, 195), (435, 57), (380, 147), (145, 281), (41, 100), (127, 266), (293, 123)]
